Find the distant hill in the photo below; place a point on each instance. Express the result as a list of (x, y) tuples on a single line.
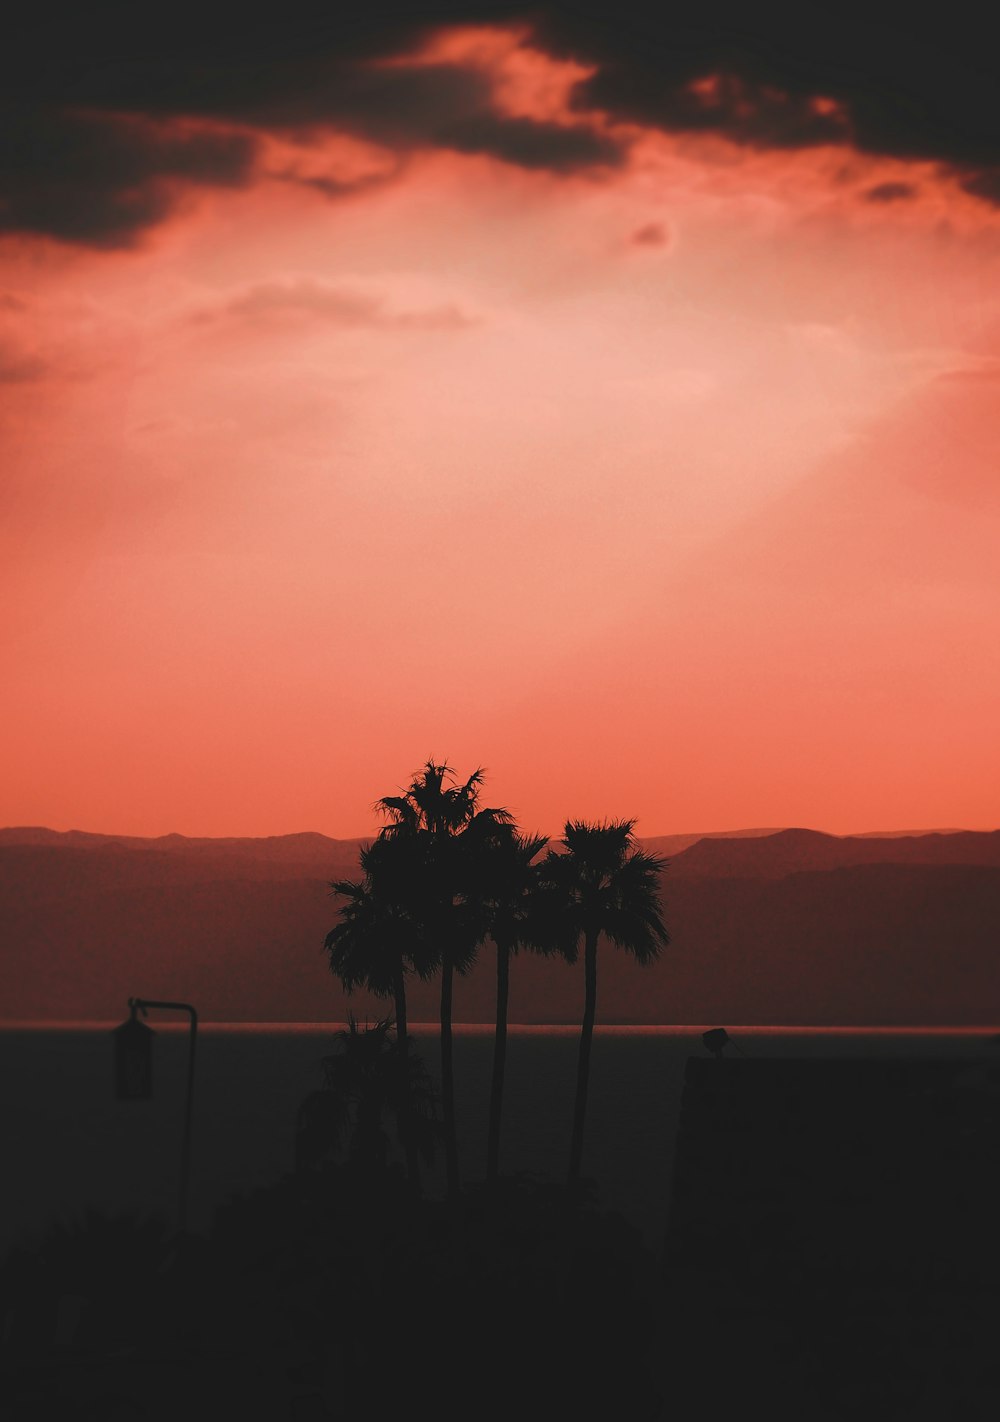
[(308, 848), (793, 850), (789, 926), (294, 851)]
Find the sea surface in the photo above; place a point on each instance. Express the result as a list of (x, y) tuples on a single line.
[(70, 1144)]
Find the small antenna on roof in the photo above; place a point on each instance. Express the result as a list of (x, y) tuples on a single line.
[(716, 1039)]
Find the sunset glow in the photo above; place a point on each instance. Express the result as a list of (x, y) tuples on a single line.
[(654, 469)]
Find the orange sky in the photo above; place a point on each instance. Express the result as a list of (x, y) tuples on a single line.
[(664, 489)]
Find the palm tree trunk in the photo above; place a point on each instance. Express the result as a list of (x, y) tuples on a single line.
[(406, 1105), (583, 1061), (448, 1081), (499, 1063)]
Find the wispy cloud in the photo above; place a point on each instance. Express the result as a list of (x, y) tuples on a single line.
[(338, 304), (651, 234), (18, 365)]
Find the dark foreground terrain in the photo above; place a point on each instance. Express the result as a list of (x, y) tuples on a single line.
[(337, 1294), (833, 1240), (831, 1253)]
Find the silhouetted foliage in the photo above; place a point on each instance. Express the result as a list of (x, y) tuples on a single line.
[(364, 1087), (439, 834), (504, 889), (511, 1301), (376, 943), (608, 886), (89, 1282)]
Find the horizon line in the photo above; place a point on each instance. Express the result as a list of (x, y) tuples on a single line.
[(746, 831), (573, 1027)]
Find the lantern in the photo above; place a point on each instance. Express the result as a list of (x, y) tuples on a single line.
[(133, 1060)]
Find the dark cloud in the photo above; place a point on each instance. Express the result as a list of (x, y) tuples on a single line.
[(757, 115), (92, 166), (984, 184), (331, 187), (651, 234), (926, 89), (399, 106), (890, 192), (440, 105), (101, 179), (530, 144)]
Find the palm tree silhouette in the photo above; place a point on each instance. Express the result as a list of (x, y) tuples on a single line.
[(375, 945), (362, 1087), (607, 885), (504, 889), (430, 823)]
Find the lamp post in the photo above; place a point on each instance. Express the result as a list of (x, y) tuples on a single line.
[(134, 1077)]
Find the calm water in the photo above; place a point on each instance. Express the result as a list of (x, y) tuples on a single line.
[(69, 1143)]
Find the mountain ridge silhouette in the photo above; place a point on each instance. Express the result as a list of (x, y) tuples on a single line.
[(795, 927)]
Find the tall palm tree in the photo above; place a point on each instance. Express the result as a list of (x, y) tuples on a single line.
[(608, 886), (505, 893), (439, 821), (374, 947)]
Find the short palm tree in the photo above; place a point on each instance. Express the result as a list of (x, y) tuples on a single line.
[(607, 886), (361, 1089), (374, 947)]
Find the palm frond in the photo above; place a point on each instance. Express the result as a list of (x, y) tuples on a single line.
[(599, 845), (496, 816), (347, 888), (608, 886), (398, 808)]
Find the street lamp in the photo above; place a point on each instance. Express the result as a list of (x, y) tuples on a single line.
[(134, 1077)]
